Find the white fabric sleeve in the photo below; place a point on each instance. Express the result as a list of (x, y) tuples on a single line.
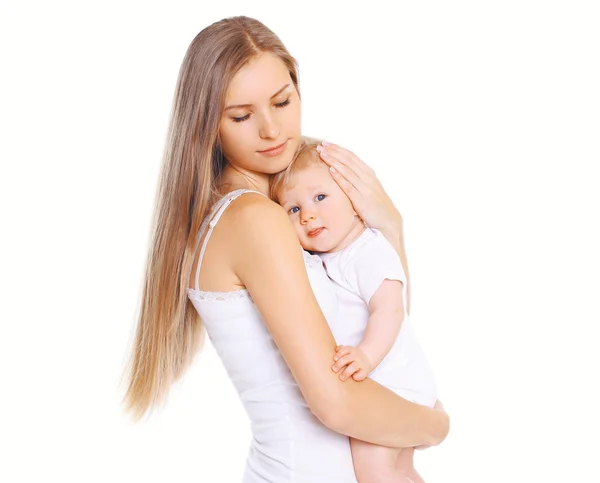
[(371, 263)]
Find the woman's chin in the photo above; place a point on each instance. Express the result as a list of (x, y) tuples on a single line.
[(281, 162)]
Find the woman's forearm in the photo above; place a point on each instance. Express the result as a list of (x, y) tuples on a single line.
[(373, 413), (395, 235)]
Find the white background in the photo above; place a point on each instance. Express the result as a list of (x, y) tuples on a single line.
[(481, 118)]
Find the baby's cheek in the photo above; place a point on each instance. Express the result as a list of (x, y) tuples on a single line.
[(304, 242), (307, 245)]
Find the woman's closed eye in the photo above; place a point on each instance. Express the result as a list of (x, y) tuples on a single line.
[(240, 119), (284, 103), (247, 116)]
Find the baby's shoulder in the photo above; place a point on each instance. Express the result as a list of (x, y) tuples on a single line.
[(371, 243)]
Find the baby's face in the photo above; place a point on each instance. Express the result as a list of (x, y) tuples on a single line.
[(321, 212)]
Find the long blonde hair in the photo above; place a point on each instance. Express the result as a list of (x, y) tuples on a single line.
[(169, 331)]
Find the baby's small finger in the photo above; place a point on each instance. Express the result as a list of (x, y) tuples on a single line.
[(343, 361), (359, 375), (351, 369), (342, 351)]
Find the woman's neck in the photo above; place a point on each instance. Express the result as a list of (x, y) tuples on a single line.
[(233, 178)]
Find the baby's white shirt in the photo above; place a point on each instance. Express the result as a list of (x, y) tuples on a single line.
[(357, 272)]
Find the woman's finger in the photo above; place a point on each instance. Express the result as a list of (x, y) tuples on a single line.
[(349, 159), (332, 156), (361, 185), (334, 160), (347, 187)]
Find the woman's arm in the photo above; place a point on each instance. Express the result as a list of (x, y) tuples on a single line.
[(369, 199), (268, 260)]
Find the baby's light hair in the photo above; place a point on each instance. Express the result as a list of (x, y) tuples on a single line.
[(306, 155)]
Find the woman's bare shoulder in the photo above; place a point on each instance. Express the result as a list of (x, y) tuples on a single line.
[(252, 203), (268, 260), (255, 218)]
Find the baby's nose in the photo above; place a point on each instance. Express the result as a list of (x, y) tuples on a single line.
[(308, 214)]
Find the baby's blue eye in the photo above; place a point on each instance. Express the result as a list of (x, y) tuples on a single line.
[(293, 209), (321, 197)]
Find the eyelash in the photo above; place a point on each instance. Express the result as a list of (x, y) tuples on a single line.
[(293, 213), (244, 118)]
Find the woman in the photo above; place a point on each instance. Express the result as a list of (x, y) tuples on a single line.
[(221, 242)]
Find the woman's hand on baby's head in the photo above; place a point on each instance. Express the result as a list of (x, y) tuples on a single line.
[(361, 185), (354, 360)]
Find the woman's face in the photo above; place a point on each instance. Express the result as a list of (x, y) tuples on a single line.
[(260, 124)]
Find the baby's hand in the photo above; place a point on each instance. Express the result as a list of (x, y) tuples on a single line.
[(356, 362)]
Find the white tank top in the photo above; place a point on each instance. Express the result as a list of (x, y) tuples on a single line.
[(289, 444)]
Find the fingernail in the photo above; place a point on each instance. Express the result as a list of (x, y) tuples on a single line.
[(332, 169), (320, 149), (325, 143), (335, 358), (334, 369)]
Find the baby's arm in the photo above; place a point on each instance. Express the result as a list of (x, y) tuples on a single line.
[(268, 266), (373, 271), (386, 309)]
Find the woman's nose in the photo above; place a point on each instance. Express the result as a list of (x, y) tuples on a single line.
[(268, 128)]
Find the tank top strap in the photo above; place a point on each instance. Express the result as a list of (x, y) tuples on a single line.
[(212, 219)]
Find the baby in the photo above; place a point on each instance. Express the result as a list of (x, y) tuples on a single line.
[(372, 329)]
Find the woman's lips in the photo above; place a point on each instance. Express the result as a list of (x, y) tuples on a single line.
[(274, 151), (315, 232)]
